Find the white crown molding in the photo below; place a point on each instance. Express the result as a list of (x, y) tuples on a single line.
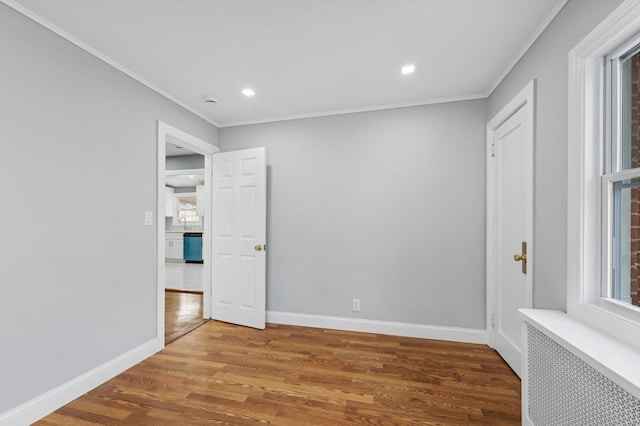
[(106, 59), (33, 410), (527, 45), (356, 110), (453, 334), (72, 39)]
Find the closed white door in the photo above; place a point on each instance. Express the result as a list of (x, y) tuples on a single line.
[(509, 230), (239, 237)]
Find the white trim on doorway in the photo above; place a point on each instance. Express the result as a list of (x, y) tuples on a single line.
[(526, 97), (198, 146)]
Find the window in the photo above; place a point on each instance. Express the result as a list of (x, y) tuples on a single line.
[(621, 177), (187, 209), (603, 237)]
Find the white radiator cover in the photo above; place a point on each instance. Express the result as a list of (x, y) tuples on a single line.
[(562, 389), (576, 375)]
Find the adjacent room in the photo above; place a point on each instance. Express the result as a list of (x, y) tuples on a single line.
[(305, 212), (184, 223)]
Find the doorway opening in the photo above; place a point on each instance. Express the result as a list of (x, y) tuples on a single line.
[(184, 236), (184, 220)]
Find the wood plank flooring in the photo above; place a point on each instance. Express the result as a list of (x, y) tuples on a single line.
[(182, 313), (285, 375)]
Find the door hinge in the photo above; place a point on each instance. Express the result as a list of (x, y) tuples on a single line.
[(493, 150), (493, 323)]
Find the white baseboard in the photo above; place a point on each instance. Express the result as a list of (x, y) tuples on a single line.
[(35, 409), (453, 334)]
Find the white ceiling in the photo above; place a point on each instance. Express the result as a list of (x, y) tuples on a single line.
[(173, 150), (184, 180), (302, 57)]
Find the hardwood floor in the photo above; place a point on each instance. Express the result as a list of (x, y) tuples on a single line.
[(285, 375), (182, 313)]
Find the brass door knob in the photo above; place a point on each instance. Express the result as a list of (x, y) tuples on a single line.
[(519, 257), (522, 257), (258, 248)]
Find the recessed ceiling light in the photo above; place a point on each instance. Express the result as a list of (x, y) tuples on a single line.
[(248, 92), (408, 69)]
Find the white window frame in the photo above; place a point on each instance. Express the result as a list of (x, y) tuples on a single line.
[(176, 209), (588, 256)]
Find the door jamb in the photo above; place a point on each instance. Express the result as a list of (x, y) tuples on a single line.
[(524, 99), (167, 133)]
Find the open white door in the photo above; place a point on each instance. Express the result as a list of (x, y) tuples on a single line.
[(239, 237)]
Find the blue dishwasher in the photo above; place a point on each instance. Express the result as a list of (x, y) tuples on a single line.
[(193, 247)]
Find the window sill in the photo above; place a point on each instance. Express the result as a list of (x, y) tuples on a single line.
[(612, 357)]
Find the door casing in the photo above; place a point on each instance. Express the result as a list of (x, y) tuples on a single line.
[(167, 133), (524, 99)]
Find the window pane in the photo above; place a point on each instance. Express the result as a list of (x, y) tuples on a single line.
[(188, 215), (187, 209), (626, 241), (630, 111)]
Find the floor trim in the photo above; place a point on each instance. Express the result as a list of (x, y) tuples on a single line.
[(33, 410), (178, 290), (186, 331), (453, 334)]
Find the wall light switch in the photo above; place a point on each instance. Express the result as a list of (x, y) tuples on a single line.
[(148, 218)]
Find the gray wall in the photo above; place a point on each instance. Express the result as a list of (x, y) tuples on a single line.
[(77, 266), (386, 206), (380, 206), (547, 61), (181, 162), (184, 189)]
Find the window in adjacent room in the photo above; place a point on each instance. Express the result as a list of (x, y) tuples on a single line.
[(187, 208)]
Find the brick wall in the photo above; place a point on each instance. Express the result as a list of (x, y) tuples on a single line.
[(635, 192)]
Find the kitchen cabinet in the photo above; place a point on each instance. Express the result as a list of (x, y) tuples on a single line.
[(174, 246), (169, 201), (174, 249)]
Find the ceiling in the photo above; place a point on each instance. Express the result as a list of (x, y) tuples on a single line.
[(176, 180), (175, 150), (302, 57)]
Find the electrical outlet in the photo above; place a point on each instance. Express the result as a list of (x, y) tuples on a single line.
[(356, 305)]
